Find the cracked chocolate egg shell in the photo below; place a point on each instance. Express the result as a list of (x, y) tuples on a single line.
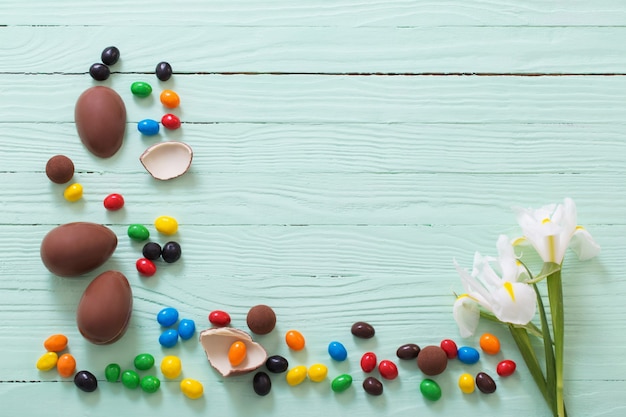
[(74, 249), (217, 342), (167, 160), (105, 308), (100, 116)]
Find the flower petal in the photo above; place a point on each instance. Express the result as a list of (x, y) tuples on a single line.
[(583, 244), (466, 314), (515, 303)]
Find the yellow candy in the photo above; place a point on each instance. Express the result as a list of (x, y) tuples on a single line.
[(296, 375), (73, 192), (317, 372), (171, 366), (191, 388), (237, 353), (47, 361), (166, 225), (466, 383)]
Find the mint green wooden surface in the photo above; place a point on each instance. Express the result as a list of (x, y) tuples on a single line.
[(344, 155)]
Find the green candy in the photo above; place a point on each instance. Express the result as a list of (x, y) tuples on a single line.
[(130, 379), (140, 89), (112, 372), (138, 232), (430, 389), (341, 383), (144, 361), (150, 384)]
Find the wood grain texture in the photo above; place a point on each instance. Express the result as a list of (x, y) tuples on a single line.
[(345, 153)]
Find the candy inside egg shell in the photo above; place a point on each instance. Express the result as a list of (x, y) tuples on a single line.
[(167, 160), (217, 342)]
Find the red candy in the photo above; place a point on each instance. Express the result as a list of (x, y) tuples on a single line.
[(450, 348), (170, 121), (388, 369), (145, 267), (506, 367), (219, 318), (368, 362), (113, 202)]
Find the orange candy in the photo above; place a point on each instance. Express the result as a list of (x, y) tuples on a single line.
[(295, 340), (66, 365), (169, 98), (237, 353), (489, 344), (55, 343)]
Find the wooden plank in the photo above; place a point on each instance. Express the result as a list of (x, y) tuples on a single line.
[(336, 99), (390, 13), (296, 49), (340, 148)]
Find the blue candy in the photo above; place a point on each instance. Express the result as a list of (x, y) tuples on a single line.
[(337, 351), (169, 338), (168, 316), (148, 127), (468, 355), (186, 329)]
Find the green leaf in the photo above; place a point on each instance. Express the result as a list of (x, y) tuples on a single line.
[(548, 352)]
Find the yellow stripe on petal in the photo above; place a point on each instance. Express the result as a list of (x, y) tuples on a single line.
[(509, 288), (518, 241), (580, 228)]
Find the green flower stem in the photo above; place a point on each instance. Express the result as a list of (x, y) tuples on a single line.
[(555, 297), (548, 352)]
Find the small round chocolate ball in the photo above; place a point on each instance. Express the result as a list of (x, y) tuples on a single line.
[(261, 319), (60, 169), (432, 360)]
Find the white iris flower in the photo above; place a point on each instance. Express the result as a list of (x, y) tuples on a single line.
[(552, 229), (503, 295)]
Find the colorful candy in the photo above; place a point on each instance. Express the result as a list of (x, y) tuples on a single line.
[(466, 383), (85, 381), (47, 361), (130, 379), (219, 318), (450, 347), (490, 344), (295, 340), (145, 267), (408, 351), (110, 55), (169, 99), (485, 383), (170, 121), (372, 386), (66, 365), (388, 369), (430, 389), (163, 71), (317, 372), (166, 225), (341, 383), (363, 330), (171, 366), (148, 127), (192, 388), (186, 329), (169, 338), (141, 89), (171, 252), (152, 251), (73, 192), (368, 361), (468, 355), (296, 375), (337, 351), (167, 316), (150, 384), (55, 343), (261, 383), (113, 202), (276, 364), (112, 372), (237, 353), (144, 361), (506, 367), (138, 232)]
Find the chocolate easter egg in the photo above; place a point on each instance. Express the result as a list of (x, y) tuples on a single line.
[(100, 117), (105, 308), (74, 249)]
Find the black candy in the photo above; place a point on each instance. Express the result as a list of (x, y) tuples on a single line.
[(163, 71), (408, 351), (171, 252), (110, 55), (152, 251), (485, 383), (363, 330), (262, 383), (85, 381), (276, 364), (99, 72), (372, 386)]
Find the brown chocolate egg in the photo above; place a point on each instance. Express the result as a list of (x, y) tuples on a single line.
[(105, 308), (100, 117), (60, 169), (432, 360), (74, 249), (261, 319)]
